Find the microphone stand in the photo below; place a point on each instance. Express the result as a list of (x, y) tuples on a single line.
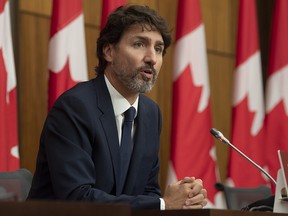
[(221, 137)]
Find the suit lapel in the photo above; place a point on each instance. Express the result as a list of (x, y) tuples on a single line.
[(109, 125)]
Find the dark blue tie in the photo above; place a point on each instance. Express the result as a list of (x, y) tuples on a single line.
[(126, 144)]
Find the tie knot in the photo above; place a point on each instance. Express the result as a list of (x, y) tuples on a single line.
[(129, 114)]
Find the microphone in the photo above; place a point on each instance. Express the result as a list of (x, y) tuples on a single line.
[(222, 138)]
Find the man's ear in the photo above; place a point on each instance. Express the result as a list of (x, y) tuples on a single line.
[(108, 52)]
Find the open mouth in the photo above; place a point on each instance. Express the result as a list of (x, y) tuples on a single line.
[(147, 74)]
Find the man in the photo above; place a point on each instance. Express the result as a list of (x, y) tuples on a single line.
[(80, 154)]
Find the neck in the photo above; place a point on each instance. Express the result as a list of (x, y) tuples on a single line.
[(129, 95)]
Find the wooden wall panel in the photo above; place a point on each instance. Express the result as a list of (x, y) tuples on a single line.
[(220, 18), (92, 12), (91, 8), (164, 99), (164, 84), (150, 3), (36, 7), (32, 84), (91, 34), (221, 70)]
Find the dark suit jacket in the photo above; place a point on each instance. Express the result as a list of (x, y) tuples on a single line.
[(78, 156)]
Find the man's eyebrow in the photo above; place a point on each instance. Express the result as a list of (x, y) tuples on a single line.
[(159, 42)]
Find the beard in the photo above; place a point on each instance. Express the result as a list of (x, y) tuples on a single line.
[(133, 80)]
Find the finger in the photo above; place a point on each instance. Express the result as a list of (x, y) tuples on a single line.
[(192, 194), (198, 199), (204, 202), (199, 181), (202, 191), (196, 188), (195, 203), (187, 180)]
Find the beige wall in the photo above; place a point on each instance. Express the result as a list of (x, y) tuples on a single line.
[(31, 39)]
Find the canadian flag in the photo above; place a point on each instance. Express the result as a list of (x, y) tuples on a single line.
[(107, 7), (192, 147), (67, 50), (9, 155), (277, 87), (248, 103)]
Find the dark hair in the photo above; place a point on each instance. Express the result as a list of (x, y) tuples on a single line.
[(121, 19)]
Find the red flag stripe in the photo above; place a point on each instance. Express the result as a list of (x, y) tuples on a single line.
[(67, 53), (248, 103), (107, 7), (191, 120), (279, 46), (9, 155), (2, 5), (247, 40), (187, 21), (62, 17), (276, 91)]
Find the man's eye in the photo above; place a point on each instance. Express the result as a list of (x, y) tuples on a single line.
[(159, 50), (138, 44)]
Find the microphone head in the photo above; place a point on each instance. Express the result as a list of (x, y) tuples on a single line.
[(214, 132), (217, 134)]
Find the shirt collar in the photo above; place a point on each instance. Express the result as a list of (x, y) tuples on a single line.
[(120, 104)]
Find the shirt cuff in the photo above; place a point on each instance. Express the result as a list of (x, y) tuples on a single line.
[(162, 204)]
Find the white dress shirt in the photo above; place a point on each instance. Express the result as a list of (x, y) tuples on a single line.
[(120, 105)]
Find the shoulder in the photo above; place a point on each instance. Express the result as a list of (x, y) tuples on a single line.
[(81, 95), (86, 90), (149, 107), (81, 88), (145, 100)]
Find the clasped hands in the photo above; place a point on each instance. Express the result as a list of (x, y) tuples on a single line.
[(187, 193)]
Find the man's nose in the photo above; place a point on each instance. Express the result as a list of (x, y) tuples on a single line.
[(150, 56)]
